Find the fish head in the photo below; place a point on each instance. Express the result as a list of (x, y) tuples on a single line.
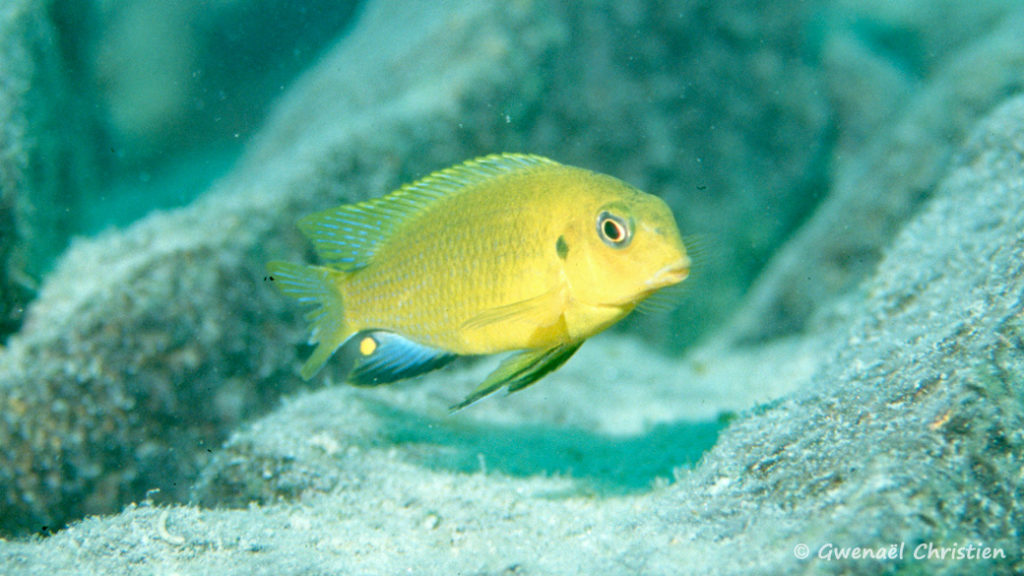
[(629, 247)]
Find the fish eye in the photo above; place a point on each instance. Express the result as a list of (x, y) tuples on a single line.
[(613, 230)]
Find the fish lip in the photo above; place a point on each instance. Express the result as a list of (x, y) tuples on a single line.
[(672, 274)]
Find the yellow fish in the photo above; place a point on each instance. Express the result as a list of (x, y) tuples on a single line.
[(503, 253)]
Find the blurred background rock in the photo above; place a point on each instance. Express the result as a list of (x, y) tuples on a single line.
[(179, 86), (742, 116), (112, 109), (714, 108)]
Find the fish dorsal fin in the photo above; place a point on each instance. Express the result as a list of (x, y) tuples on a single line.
[(349, 235)]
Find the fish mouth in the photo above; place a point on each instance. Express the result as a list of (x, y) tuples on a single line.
[(672, 274), (667, 276)]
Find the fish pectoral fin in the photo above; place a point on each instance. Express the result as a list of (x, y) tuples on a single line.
[(520, 370), (382, 357), (541, 311)]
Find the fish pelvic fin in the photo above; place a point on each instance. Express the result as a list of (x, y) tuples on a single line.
[(319, 287), (520, 370)]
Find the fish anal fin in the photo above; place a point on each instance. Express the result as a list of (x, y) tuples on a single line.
[(383, 357), (323, 352), (520, 370)]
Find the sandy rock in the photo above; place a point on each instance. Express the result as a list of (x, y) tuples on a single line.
[(906, 436)]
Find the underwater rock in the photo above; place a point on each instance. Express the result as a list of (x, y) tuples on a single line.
[(674, 97), (614, 419), (907, 436), (714, 107), (910, 431), (888, 161), (907, 431), (148, 346)]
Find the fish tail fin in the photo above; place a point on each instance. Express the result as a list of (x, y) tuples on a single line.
[(317, 286)]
